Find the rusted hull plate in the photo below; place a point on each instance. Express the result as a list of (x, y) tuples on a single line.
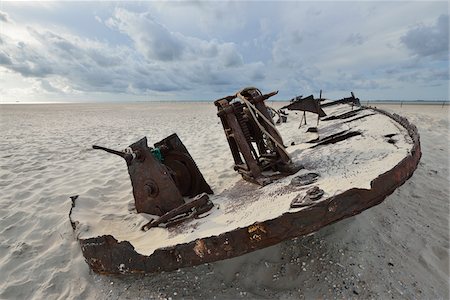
[(106, 255)]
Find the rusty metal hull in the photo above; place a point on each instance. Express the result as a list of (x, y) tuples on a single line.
[(106, 255)]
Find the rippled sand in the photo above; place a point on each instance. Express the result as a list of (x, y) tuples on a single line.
[(399, 248)]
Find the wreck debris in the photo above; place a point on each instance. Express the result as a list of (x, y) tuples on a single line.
[(192, 209), (195, 243), (306, 104), (346, 115), (161, 176), (334, 138), (282, 116), (186, 174), (251, 134), (154, 190), (313, 194), (304, 179), (352, 100), (280, 113)]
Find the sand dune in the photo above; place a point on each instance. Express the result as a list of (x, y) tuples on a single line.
[(398, 249)]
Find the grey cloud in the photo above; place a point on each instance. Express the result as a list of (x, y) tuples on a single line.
[(425, 76), (258, 74), (288, 49), (201, 74), (313, 11), (4, 17), (104, 60), (351, 81), (153, 39), (297, 37), (440, 75), (5, 59), (355, 39), (48, 86), (157, 43), (66, 57), (57, 41), (358, 84), (160, 86), (26, 61), (232, 58), (58, 45), (165, 80), (429, 41), (28, 69)]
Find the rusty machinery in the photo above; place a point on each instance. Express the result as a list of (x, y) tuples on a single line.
[(255, 143), (161, 177)]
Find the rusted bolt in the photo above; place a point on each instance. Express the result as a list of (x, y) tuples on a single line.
[(152, 189)]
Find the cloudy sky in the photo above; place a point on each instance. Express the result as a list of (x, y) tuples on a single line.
[(135, 51)]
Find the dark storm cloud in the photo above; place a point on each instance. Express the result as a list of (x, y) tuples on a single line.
[(429, 41)]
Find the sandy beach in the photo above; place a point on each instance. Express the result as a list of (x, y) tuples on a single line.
[(398, 249)]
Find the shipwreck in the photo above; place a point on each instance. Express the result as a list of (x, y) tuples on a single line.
[(294, 182)]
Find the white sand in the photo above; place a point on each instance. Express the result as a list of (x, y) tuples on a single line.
[(46, 157)]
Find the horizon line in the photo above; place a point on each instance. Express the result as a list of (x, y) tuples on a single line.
[(202, 101)]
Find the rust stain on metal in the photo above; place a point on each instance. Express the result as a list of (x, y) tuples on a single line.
[(256, 232), (332, 207), (226, 246), (200, 248)]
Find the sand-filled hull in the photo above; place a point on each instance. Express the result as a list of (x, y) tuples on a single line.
[(106, 254)]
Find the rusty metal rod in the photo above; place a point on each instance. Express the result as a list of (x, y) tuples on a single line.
[(128, 157)]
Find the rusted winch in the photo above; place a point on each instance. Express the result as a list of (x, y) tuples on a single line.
[(161, 177), (255, 143)]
